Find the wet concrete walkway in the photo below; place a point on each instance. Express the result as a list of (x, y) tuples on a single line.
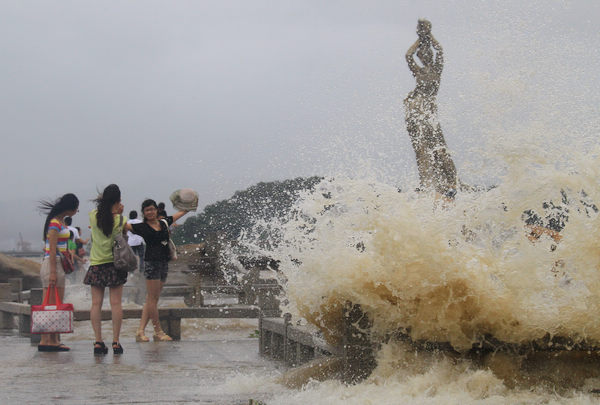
[(184, 372)]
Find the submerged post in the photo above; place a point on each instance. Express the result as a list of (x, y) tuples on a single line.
[(359, 359), (436, 169), (5, 292), (6, 321), (16, 287), (36, 297)]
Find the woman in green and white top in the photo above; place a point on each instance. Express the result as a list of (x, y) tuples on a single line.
[(106, 221)]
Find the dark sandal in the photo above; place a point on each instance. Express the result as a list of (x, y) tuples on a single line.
[(117, 348), (53, 348), (102, 349)]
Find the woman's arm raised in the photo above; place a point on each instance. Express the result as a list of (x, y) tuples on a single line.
[(127, 227), (178, 215), (412, 65)]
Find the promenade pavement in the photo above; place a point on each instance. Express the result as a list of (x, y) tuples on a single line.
[(221, 366)]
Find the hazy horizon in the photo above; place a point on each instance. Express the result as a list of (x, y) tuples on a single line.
[(218, 96)]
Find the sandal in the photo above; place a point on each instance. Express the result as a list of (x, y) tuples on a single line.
[(53, 348), (161, 336), (100, 348), (117, 348), (141, 337)]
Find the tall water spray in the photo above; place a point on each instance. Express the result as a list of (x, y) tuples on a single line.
[(465, 270)]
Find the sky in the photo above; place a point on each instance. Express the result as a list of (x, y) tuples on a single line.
[(219, 95)]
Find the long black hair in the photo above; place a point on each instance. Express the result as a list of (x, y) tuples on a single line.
[(68, 202), (104, 216)]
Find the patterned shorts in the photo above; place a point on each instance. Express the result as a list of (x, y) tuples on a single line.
[(105, 275), (155, 270)]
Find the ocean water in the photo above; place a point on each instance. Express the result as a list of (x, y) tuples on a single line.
[(522, 125), (450, 272)]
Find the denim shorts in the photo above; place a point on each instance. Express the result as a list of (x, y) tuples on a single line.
[(156, 270)]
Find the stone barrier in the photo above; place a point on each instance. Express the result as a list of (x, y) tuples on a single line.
[(16, 288), (280, 339), (358, 352), (36, 297), (294, 344), (265, 295), (7, 321), (5, 292), (170, 318)]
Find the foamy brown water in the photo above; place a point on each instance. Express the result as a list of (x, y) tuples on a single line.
[(448, 272), (454, 272), (527, 123), (451, 272)]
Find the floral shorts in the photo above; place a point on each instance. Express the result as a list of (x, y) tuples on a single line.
[(155, 270), (105, 275)]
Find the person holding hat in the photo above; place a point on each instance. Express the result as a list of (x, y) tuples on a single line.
[(155, 231)]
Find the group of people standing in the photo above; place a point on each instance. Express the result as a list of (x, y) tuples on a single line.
[(76, 248), (106, 221)]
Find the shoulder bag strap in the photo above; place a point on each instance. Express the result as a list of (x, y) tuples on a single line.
[(167, 225)]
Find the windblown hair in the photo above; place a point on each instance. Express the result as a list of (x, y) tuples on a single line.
[(68, 202), (104, 216)]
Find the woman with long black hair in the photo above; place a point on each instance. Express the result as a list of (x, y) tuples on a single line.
[(106, 221), (56, 236)]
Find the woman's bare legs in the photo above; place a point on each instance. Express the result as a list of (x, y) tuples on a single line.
[(48, 338), (61, 295), (150, 311), (96, 311), (116, 309), (145, 317), (52, 339)]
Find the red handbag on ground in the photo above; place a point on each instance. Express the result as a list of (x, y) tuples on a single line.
[(56, 318)]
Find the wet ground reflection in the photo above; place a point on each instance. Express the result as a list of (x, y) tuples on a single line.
[(189, 371)]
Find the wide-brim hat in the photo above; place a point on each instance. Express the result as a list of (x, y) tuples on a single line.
[(184, 199)]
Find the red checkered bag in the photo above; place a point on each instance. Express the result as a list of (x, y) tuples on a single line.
[(56, 318)]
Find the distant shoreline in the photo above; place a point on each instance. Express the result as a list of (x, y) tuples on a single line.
[(24, 255)]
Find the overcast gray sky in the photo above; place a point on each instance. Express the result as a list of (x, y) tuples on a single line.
[(219, 95)]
